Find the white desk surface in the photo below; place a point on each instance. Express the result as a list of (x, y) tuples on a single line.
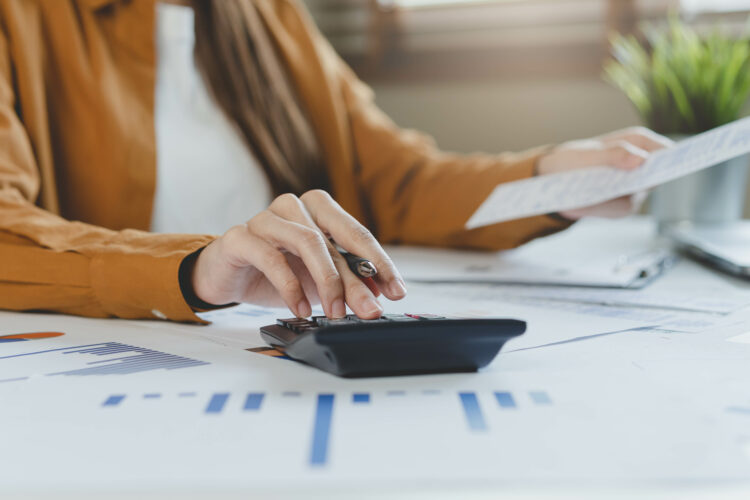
[(645, 413)]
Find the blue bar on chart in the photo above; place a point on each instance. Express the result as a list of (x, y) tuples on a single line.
[(152, 395), (114, 400), (360, 398), (134, 360), (321, 430), (540, 397), (217, 402), (473, 412), (291, 394), (505, 399), (15, 379), (253, 401)]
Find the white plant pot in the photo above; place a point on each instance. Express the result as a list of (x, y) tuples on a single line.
[(715, 195)]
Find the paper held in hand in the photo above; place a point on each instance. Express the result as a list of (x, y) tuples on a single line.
[(589, 186)]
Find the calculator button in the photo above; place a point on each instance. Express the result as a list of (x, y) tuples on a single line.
[(326, 322), (283, 322), (354, 319), (425, 316), (399, 317)]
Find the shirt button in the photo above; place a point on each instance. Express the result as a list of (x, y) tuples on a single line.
[(158, 314)]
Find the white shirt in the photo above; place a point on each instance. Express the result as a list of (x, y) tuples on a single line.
[(207, 179)]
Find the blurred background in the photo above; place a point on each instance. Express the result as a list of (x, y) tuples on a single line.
[(495, 75)]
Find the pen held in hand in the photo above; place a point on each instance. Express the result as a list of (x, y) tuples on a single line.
[(359, 266)]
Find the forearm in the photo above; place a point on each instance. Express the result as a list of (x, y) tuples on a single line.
[(52, 264)]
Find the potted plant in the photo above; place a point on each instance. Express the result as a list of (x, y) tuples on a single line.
[(683, 83)]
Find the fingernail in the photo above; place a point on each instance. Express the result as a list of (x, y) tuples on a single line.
[(371, 307), (338, 309), (398, 287), (636, 161), (303, 309)]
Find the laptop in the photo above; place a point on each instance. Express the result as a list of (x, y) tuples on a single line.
[(725, 246)]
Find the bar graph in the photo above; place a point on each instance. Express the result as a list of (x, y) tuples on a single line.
[(114, 400), (217, 402), (477, 419), (321, 430), (474, 416), (505, 400), (540, 397), (106, 358), (253, 401), (360, 397)]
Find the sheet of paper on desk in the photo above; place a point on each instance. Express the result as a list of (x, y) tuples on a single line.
[(711, 301), (586, 187), (239, 327), (666, 318), (743, 338), (236, 327), (238, 420), (587, 254), (544, 326)]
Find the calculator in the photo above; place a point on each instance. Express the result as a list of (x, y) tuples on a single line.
[(394, 344)]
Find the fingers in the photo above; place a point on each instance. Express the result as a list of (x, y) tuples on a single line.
[(310, 246), (370, 283), (358, 294), (618, 154), (619, 207), (354, 237), (641, 137), (254, 251), (283, 252)]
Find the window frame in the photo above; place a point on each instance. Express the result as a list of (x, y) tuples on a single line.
[(397, 41)]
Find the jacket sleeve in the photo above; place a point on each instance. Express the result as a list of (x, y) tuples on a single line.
[(49, 263), (417, 194)]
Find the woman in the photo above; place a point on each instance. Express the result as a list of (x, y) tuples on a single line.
[(101, 141)]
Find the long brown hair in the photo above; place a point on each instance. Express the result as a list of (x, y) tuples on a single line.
[(238, 59)]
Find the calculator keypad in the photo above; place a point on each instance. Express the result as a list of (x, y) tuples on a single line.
[(303, 325)]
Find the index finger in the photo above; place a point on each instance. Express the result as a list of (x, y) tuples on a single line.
[(355, 238), (644, 138)]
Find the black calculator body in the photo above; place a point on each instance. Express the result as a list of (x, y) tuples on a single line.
[(395, 344)]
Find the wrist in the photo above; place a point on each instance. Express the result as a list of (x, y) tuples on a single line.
[(187, 269), (540, 165), (562, 217)]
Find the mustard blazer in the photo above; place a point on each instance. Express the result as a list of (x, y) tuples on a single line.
[(77, 80)]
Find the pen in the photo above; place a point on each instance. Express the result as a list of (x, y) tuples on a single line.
[(359, 266)]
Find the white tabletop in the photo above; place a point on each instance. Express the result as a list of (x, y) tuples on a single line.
[(597, 401)]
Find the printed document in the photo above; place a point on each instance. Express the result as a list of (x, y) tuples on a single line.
[(590, 186), (588, 254)]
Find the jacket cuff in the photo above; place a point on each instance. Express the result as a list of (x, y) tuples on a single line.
[(186, 286), (143, 283)]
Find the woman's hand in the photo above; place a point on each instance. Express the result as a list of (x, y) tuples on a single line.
[(283, 256), (626, 149)]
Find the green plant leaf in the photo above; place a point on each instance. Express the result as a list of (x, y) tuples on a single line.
[(679, 80)]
